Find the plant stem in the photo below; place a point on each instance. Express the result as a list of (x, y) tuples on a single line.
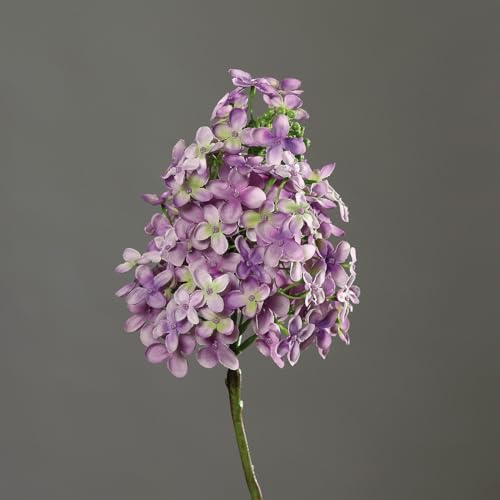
[(233, 384)]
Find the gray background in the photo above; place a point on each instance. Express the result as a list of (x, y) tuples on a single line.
[(405, 97)]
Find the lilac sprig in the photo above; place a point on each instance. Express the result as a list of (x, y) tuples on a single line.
[(244, 224)]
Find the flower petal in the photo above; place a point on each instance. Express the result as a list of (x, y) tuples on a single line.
[(203, 231), (177, 365), (222, 131), (211, 215), (237, 119), (220, 283), (157, 353), (227, 357), (219, 243), (252, 197), (231, 211), (207, 357), (215, 302), (235, 299), (204, 136)]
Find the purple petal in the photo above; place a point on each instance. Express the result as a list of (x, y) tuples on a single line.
[(202, 194), (204, 136), (211, 215), (172, 342), (207, 357), (144, 275), (157, 353), (237, 119), (156, 300), (231, 211), (235, 299), (135, 322), (274, 154), (281, 126), (130, 254), (177, 365), (273, 255), (219, 243), (293, 251), (203, 231), (220, 189), (252, 197), (215, 302), (227, 357), (295, 145), (137, 296), (222, 131), (262, 137)]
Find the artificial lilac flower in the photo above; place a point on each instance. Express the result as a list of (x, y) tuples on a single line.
[(211, 288), (244, 79), (187, 305), (214, 322), (315, 293), (333, 258), (238, 194), (268, 343), (299, 211), (215, 350), (131, 258), (277, 140), (250, 297), (298, 334), (196, 154), (281, 245), (176, 361), (191, 189), (233, 132), (241, 241), (252, 262), (214, 229), (149, 289)]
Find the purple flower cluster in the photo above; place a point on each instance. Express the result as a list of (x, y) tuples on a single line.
[(243, 240)]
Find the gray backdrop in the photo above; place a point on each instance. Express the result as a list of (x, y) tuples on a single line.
[(404, 96)]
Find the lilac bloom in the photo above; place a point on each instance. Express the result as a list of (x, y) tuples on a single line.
[(143, 319), (275, 306), (215, 350), (213, 322), (236, 99), (323, 318), (249, 298), (277, 140), (288, 102), (333, 258), (177, 167), (281, 245), (131, 259), (211, 288), (252, 262), (149, 289), (176, 361), (298, 334), (187, 305), (237, 193), (268, 343), (214, 229), (244, 79), (299, 211), (314, 288), (192, 188), (233, 133), (348, 295), (215, 263), (158, 225), (247, 164), (196, 153)]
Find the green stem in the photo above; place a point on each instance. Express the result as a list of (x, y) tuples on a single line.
[(233, 384), (301, 296), (248, 342), (251, 95)]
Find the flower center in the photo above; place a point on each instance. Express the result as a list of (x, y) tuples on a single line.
[(185, 306), (281, 243), (203, 150), (189, 190), (216, 321), (178, 170), (300, 211), (235, 133), (264, 218), (251, 298), (210, 291), (215, 344), (173, 326), (236, 194), (215, 229)]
